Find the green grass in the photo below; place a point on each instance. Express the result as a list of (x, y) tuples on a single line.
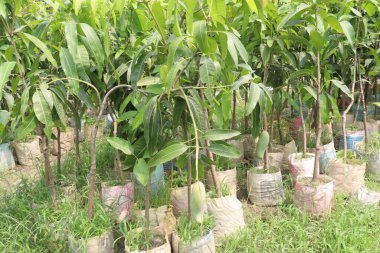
[(350, 228), (28, 223)]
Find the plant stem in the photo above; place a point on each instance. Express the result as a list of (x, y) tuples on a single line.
[(265, 127), (364, 105), (78, 160), (118, 165), (271, 128), (209, 154), (188, 166), (49, 178), (147, 202), (318, 109), (304, 137), (59, 171), (279, 118), (233, 126)]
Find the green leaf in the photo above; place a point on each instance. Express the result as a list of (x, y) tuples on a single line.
[(316, 40), (242, 80), (173, 49), (41, 109), (83, 57), (138, 65), (220, 134), (253, 98), (300, 73), (167, 154), (232, 50), (334, 23), (218, 10), (72, 37), (141, 171), (5, 71), (77, 6), (348, 30), (3, 9), (69, 67), (342, 87), (225, 150), (284, 21), (371, 9), (200, 35), (152, 123), (121, 144), (42, 46), (311, 91), (93, 44), (24, 100), (118, 5), (59, 109), (159, 17), (238, 45), (149, 80), (27, 126), (262, 144), (207, 71)]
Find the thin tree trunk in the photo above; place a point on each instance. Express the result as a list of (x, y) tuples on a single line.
[(49, 177), (59, 170), (318, 111), (364, 106), (279, 118), (344, 116), (271, 128), (208, 152), (188, 166), (246, 118), (147, 203), (265, 127), (233, 110), (118, 164), (357, 109), (78, 161), (304, 136)]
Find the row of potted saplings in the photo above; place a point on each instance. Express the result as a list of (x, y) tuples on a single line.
[(225, 212), (346, 176), (28, 152)]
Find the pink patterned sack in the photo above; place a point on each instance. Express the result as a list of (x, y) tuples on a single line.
[(119, 198)]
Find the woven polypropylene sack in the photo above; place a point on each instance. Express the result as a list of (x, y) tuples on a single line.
[(27, 153), (317, 200), (119, 198), (178, 200), (205, 244), (228, 214), (265, 189), (97, 244), (348, 177), (227, 177), (301, 166)]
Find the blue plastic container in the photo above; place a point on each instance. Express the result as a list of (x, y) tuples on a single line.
[(7, 161), (157, 179), (352, 139), (370, 111)]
